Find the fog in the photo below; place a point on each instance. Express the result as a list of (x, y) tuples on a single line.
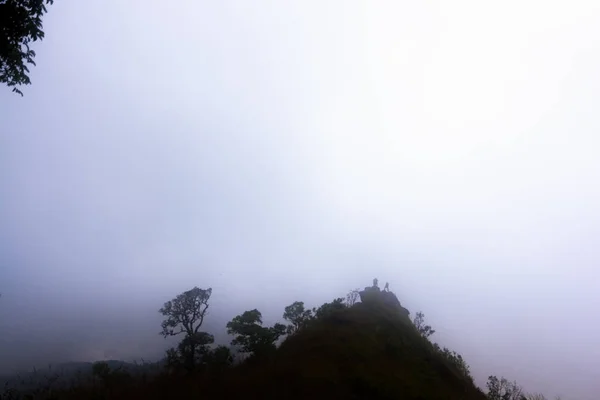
[(281, 151)]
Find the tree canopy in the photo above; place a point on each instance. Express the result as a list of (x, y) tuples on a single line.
[(297, 315), (185, 313), (20, 24), (503, 389), (424, 329), (329, 308), (251, 335)]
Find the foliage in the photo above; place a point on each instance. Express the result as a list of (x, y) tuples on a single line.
[(456, 360), (425, 330), (534, 396), (218, 359), (251, 335), (329, 308), (197, 342), (215, 360), (352, 297), (190, 351), (20, 24), (298, 317), (502, 389), (185, 313)]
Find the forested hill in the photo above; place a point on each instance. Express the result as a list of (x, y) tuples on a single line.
[(345, 349), (370, 350)]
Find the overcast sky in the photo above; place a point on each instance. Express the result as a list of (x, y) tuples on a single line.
[(293, 150)]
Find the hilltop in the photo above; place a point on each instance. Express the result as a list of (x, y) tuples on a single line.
[(370, 350)]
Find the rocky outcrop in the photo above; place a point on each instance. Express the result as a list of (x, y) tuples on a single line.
[(370, 294), (374, 296)]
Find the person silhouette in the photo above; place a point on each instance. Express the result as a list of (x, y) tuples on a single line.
[(387, 286), (375, 282)]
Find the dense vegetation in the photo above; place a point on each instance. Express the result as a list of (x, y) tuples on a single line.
[(20, 25), (362, 347)]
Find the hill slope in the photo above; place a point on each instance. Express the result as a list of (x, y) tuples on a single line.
[(368, 351)]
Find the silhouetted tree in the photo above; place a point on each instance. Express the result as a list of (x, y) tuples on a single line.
[(200, 357), (419, 322), (329, 308), (251, 335), (297, 315), (185, 314), (199, 341), (502, 389), (193, 348), (456, 360), (20, 24), (352, 297)]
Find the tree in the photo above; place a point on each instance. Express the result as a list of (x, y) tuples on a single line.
[(502, 389), (419, 322), (198, 342), (185, 314), (297, 316), (218, 359), (456, 360), (193, 348), (534, 396), (194, 352), (329, 308), (20, 24), (352, 297), (251, 335)]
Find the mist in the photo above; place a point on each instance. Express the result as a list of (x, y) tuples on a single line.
[(286, 151)]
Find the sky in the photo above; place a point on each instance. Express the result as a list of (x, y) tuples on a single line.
[(281, 151)]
